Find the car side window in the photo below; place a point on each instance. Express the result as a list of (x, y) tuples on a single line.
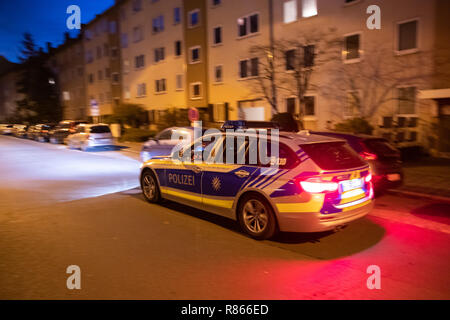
[(286, 158), (165, 135)]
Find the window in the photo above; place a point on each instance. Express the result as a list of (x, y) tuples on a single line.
[(310, 105), (158, 24), (179, 82), (99, 52), (216, 2), (407, 36), (176, 15), (137, 5), (89, 56), (112, 27), (290, 105), (160, 85), (126, 66), (106, 50), (218, 76), (178, 49), (290, 59), (159, 54), (124, 40), (138, 34), (91, 78), (248, 25), (351, 105), (141, 90), (308, 55), (290, 11), (249, 68), (309, 8), (196, 90), (114, 52), (217, 35), (139, 61), (194, 55), (115, 78), (388, 122), (194, 18), (351, 50), (406, 100)]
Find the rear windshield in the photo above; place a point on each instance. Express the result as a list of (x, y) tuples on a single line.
[(333, 155), (380, 146), (100, 129)]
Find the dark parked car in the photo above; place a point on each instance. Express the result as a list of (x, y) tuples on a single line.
[(384, 159), (63, 130), (42, 132), (31, 132)]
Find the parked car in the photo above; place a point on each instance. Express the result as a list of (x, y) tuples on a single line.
[(42, 132), (21, 131), (162, 144), (64, 128), (384, 159), (7, 129), (31, 132), (89, 136), (17, 129)]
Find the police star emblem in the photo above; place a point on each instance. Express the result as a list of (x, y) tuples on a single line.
[(216, 183)]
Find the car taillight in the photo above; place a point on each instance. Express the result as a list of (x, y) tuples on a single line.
[(368, 178), (368, 156), (316, 185)]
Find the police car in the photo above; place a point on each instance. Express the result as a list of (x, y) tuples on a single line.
[(314, 183)]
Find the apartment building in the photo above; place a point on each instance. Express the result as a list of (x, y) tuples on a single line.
[(377, 74), (101, 43), (153, 55), (67, 62), (8, 92)]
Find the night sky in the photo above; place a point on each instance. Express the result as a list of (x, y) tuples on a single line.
[(44, 19)]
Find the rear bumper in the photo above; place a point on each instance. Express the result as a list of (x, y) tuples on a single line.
[(100, 143), (317, 222)]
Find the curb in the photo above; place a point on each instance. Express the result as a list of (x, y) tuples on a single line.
[(417, 194)]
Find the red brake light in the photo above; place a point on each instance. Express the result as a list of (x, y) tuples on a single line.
[(368, 156), (316, 185)]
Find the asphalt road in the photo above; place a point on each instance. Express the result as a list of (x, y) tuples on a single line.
[(62, 207)]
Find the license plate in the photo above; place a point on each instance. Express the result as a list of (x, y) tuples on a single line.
[(351, 184), (393, 177)]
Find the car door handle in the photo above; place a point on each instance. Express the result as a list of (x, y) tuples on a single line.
[(242, 173)]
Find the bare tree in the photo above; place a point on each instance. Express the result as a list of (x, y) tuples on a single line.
[(293, 62)]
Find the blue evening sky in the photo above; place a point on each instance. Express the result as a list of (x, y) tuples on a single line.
[(44, 19)]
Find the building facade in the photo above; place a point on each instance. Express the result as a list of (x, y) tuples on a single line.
[(67, 62), (102, 71)]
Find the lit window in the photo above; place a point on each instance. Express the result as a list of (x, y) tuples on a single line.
[(309, 8), (290, 11)]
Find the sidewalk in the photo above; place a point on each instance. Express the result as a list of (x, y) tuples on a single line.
[(430, 176)]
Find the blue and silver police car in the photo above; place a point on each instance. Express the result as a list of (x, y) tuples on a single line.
[(315, 183)]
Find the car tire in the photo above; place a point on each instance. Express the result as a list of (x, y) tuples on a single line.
[(150, 187), (256, 217)]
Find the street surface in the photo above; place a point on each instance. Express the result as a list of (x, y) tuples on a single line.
[(61, 207)]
